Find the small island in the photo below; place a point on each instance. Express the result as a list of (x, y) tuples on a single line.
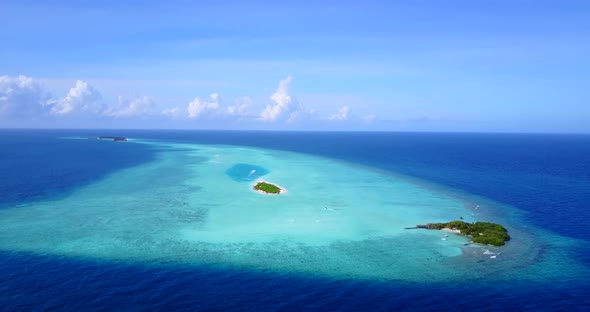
[(481, 232), (268, 188), (114, 138)]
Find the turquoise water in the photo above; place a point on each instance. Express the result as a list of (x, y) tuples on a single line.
[(194, 205)]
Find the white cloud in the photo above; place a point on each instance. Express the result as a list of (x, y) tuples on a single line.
[(197, 107), (342, 114), (283, 103), (172, 112), (241, 107), (131, 107), (81, 98), (369, 118), (21, 96)]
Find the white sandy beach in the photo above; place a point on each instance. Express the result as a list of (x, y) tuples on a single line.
[(451, 230)]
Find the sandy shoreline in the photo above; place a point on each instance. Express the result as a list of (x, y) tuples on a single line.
[(282, 189), (451, 230)]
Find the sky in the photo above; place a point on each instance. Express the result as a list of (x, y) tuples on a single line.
[(469, 66)]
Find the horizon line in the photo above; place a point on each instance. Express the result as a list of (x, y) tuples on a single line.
[(299, 130)]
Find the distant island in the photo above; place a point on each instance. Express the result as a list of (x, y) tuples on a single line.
[(480, 232), (114, 138), (268, 188)]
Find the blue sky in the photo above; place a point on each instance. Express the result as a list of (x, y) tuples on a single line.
[(500, 66)]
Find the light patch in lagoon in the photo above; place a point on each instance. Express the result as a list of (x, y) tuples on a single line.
[(336, 220)]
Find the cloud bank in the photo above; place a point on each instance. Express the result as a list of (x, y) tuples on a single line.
[(241, 107), (342, 114), (82, 98), (282, 102), (23, 98), (131, 107), (197, 107)]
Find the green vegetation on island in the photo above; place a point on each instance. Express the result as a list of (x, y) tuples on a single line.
[(481, 232), (267, 188)]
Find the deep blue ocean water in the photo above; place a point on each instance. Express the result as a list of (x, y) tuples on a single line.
[(546, 176), (246, 172)]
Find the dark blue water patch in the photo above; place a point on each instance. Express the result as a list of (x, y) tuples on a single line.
[(38, 283), (246, 172), (36, 165)]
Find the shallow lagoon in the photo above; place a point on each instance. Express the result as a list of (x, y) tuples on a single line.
[(188, 207)]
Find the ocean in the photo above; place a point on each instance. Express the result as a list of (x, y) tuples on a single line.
[(168, 221)]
